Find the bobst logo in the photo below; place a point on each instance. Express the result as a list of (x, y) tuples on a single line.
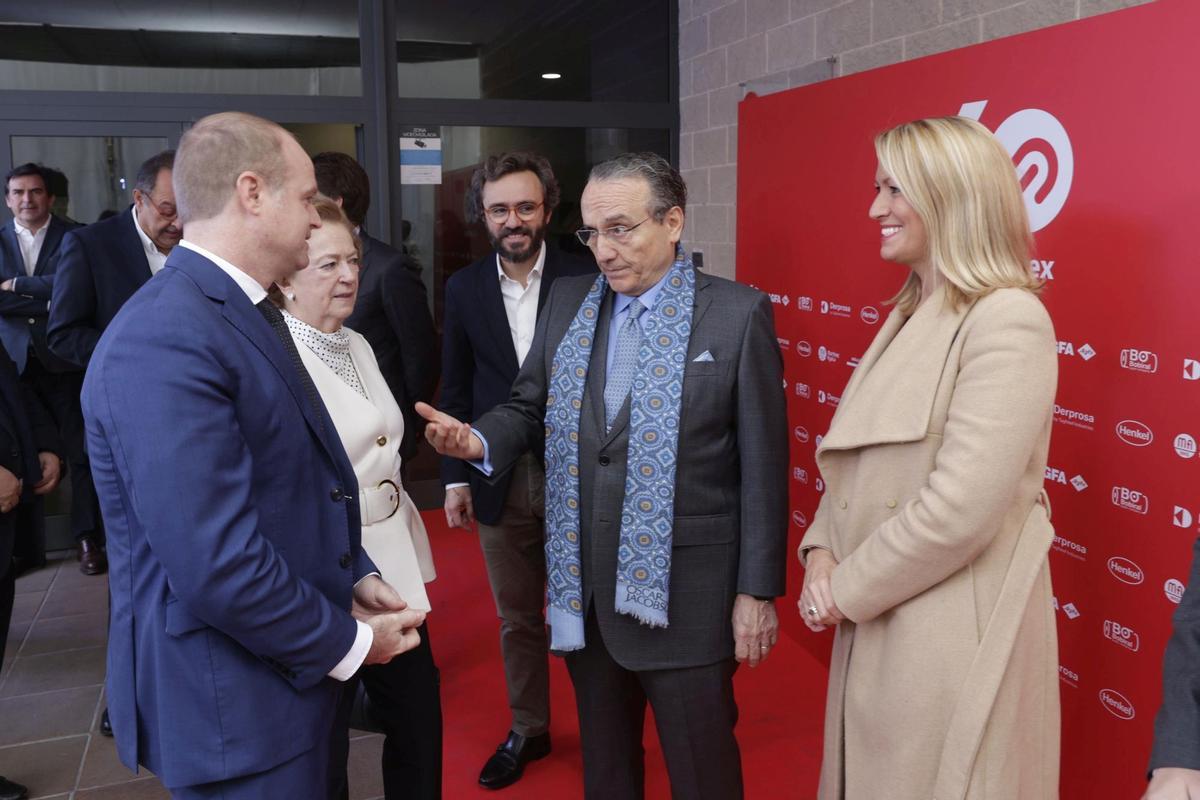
[(1135, 433), (1118, 633), (804, 348), (1041, 149), (1117, 704), (1125, 570), (799, 518), (801, 433), (1139, 360), (1130, 499), (869, 315)]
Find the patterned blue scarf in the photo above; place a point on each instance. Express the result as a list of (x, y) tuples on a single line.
[(648, 513)]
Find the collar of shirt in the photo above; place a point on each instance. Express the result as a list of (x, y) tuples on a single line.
[(147, 244), (251, 287), (647, 298), (536, 271), (32, 234)]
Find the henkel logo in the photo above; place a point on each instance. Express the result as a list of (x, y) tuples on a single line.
[(799, 475), (801, 434), (1116, 704), (799, 518), (1075, 550), (1191, 369), (835, 309), (869, 315), (1181, 518), (1076, 419), (1041, 150), (1068, 676), (1126, 637), (1185, 445), (804, 303), (1079, 483), (804, 348), (802, 390), (1139, 360), (1130, 499), (1125, 570), (1135, 433), (1173, 589)]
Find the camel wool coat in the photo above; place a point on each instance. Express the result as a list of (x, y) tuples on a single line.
[(943, 682)]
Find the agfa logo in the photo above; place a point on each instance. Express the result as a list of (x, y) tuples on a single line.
[(1117, 704), (1181, 518), (1139, 360), (1191, 369), (1041, 149), (1185, 446), (1135, 433), (804, 348), (869, 315), (1056, 475), (799, 518), (1130, 499), (801, 433), (1173, 589), (1118, 633), (1125, 570)]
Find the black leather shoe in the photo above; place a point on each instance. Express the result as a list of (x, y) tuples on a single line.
[(505, 767), (12, 791), (92, 560), (105, 725)]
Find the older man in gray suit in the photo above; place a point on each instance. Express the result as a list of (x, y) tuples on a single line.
[(657, 392)]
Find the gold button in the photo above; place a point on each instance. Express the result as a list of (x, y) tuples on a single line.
[(891, 503), (381, 441), (842, 503)]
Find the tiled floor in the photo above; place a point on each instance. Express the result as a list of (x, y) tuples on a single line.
[(52, 694)]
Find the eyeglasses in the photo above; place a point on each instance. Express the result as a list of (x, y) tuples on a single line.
[(617, 233), (164, 208), (524, 212)]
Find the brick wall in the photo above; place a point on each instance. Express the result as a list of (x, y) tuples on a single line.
[(771, 45)]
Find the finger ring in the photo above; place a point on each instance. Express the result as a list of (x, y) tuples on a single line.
[(762, 647), (812, 611)]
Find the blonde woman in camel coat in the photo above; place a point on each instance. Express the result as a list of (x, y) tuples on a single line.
[(928, 553)]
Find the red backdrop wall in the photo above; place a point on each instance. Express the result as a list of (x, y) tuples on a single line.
[(1103, 121)]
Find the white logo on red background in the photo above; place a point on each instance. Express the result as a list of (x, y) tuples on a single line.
[(804, 348), (1068, 548), (801, 434), (1181, 517), (1071, 611), (1185, 445), (1117, 704), (1135, 433), (820, 484), (799, 518), (1073, 418), (800, 475), (802, 390), (828, 399), (1130, 499), (869, 315), (1041, 149), (1068, 676), (1056, 475), (1139, 360), (817, 441), (1079, 483), (1125, 570), (804, 303), (1085, 351), (1118, 633), (827, 355), (784, 344), (835, 309), (1042, 269), (853, 362), (1191, 369), (1174, 589)]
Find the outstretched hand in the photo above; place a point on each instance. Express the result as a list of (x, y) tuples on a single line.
[(449, 436)]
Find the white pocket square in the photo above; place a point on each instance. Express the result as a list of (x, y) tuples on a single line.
[(705, 356)]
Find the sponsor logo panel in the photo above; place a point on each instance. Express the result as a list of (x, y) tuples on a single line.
[(1135, 360), (799, 519), (1074, 418), (1117, 704), (1125, 570), (1124, 636), (1135, 433), (1174, 589), (1068, 676), (1185, 446), (1075, 550), (1130, 499)]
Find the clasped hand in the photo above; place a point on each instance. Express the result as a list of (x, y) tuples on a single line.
[(818, 591), (393, 624)]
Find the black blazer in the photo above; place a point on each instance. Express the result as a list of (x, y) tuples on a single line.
[(26, 428), (1177, 726), (99, 268), (479, 362), (23, 312), (392, 314)]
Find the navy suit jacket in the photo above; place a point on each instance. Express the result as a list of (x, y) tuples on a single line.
[(233, 532), (26, 428), (23, 312), (99, 268), (479, 362), (392, 313)]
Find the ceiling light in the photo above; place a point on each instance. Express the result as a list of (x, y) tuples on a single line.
[(551, 76)]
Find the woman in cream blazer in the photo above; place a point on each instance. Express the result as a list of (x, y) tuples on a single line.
[(404, 692), (928, 552)]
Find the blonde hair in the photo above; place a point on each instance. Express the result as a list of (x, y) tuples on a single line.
[(961, 182), (214, 151)]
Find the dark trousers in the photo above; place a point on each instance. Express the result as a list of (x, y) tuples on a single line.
[(8, 578), (405, 697), (514, 552), (694, 711), (59, 392)]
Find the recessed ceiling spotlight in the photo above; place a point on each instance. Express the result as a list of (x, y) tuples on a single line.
[(551, 76)]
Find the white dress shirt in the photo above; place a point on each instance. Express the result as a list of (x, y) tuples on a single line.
[(349, 665), (521, 303), (154, 257), (31, 243)]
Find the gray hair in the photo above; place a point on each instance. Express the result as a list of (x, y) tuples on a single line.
[(667, 188), (147, 175)]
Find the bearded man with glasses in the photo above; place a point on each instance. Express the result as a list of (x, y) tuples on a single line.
[(491, 309)]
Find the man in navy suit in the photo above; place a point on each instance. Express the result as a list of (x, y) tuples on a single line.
[(233, 522), (492, 307), (392, 310), (29, 249), (29, 468)]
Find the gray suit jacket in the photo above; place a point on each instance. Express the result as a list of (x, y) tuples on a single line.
[(1177, 726), (730, 532)]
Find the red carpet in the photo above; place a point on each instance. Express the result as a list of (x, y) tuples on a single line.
[(781, 702)]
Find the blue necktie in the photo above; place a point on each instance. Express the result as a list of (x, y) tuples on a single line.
[(624, 364)]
